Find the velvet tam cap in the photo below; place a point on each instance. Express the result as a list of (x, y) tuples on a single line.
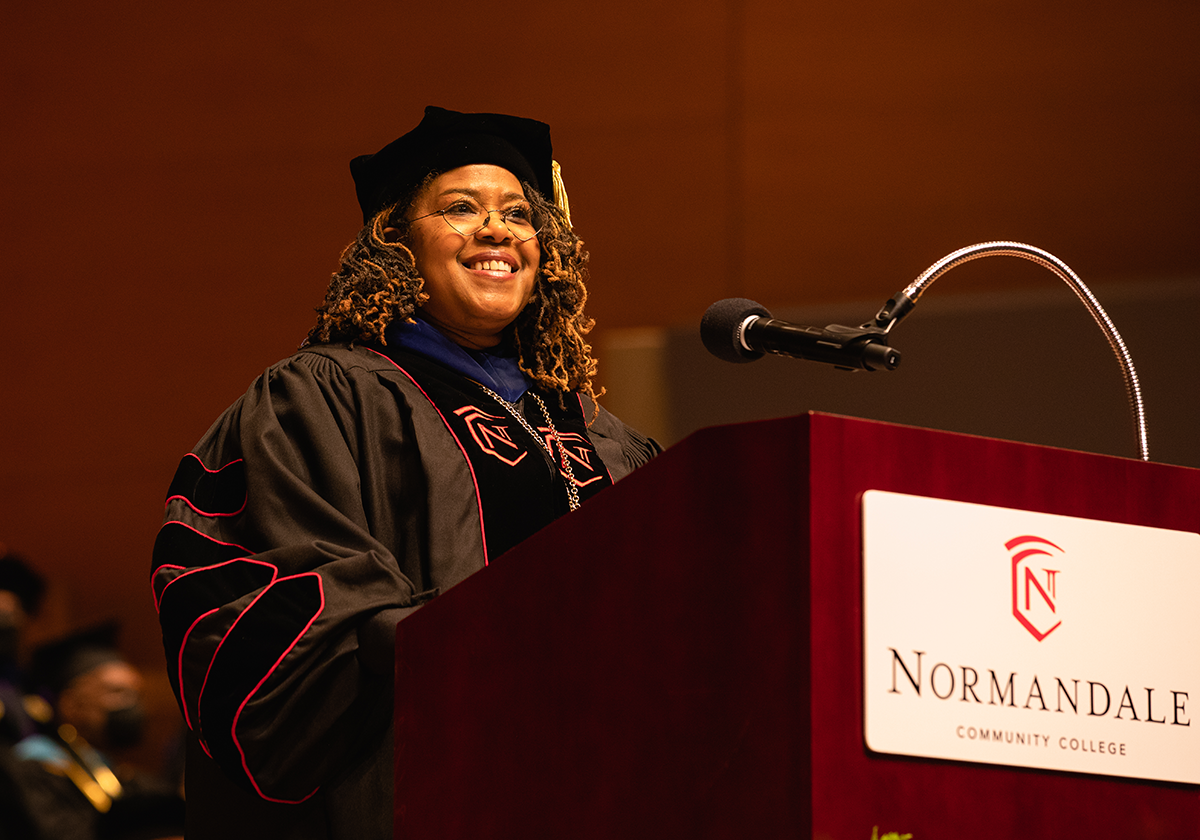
[(445, 140), (55, 664)]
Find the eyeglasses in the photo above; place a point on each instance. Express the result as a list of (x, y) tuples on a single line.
[(467, 217)]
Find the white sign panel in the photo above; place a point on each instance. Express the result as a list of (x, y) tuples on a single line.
[(1028, 639)]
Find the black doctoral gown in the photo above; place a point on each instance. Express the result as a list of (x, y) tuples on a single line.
[(345, 488)]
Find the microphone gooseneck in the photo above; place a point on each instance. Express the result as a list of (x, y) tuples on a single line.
[(903, 302), (740, 330)]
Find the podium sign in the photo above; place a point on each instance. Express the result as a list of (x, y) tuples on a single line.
[(1030, 639)]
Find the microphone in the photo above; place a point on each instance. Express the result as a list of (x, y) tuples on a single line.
[(740, 330)]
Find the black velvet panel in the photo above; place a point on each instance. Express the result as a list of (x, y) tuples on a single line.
[(255, 644), (520, 489), (179, 545), (220, 492)]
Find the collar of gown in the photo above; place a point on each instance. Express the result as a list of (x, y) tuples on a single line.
[(496, 367)]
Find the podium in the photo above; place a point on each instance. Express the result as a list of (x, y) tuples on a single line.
[(682, 657)]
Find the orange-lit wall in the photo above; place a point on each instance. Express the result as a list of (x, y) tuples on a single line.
[(175, 190)]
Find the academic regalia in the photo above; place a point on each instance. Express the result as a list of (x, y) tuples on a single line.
[(347, 487), (70, 786)]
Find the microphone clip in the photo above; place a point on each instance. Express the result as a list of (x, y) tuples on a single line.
[(846, 348)]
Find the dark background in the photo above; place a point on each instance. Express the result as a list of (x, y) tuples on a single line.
[(176, 192)]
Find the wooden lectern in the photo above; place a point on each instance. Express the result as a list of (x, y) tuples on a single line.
[(682, 657)]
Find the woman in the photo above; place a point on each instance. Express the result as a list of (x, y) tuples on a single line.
[(441, 410)]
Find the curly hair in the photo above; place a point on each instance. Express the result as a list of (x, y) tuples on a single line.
[(377, 281)]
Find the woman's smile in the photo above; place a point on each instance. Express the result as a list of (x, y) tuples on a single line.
[(477, 283)]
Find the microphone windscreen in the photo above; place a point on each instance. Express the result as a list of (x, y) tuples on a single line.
[(721, 324)]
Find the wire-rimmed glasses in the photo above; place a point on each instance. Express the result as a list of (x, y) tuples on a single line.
[(467, 217)]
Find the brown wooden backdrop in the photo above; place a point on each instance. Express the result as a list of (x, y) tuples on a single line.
[(175, 190)]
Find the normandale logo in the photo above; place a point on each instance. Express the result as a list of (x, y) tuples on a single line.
[(492, 434), (969, 684), (1034, 589)]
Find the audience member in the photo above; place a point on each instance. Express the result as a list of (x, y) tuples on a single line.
[(21, 592), (73, 773)]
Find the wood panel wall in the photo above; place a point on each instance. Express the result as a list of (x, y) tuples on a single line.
[(176, 190)]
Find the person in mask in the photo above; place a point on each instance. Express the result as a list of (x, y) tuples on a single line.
[(72, 773)]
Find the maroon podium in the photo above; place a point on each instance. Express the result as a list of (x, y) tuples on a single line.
[(682, 657)]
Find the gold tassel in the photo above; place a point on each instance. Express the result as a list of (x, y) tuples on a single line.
[(560, 191)]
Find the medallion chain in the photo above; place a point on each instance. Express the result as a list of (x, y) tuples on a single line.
[(564, 460)]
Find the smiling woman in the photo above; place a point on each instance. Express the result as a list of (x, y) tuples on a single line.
[(478, 274), (440, 411), (380, 283)]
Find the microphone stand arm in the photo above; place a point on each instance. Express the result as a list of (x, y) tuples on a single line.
[(902, 303)]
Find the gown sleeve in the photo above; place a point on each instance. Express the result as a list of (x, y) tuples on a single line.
[(622, 448), (277, 600)]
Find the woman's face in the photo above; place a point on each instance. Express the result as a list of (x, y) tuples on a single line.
[(478, 283)]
